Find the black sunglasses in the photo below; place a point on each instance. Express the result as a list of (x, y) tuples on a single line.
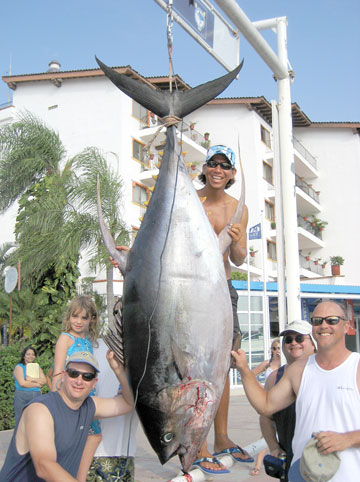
[(330, 320), (224, 165), (298, 338), (86, 376)]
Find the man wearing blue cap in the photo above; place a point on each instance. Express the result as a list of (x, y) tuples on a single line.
[(218, 174), (50, 435)]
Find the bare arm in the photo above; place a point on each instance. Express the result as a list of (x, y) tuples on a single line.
[(267, 425), (121, 404), (61, 348), (261, 367), (265, 403), (41, 380), (40, 440), (238, 252), (19, 375)]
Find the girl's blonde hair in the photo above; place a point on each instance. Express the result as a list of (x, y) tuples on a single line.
[(87, 304), (275, 340)]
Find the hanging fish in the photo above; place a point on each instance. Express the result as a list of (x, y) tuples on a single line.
[(176, 314)]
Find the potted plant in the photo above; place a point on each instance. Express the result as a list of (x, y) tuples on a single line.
[(252, 251), (307, 257), (192, 125), (273, 225), (323, 264), (336, 262), (316, 261), (306, 218), (206, 136)]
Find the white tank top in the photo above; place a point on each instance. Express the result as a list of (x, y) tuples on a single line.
[(329, 400)]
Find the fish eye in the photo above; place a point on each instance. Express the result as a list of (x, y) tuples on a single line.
[(167, 438)]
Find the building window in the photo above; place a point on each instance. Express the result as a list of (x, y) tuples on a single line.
[(139, 153), (269, 210), (268, 172), (140, 194), (140, 113), (265, 136), (271, 250)]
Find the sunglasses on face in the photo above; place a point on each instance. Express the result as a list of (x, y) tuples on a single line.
[(223, 164), (330, 320), (298, 338), (87, 376)]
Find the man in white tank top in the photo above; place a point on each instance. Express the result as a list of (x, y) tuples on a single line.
[(326, 388)]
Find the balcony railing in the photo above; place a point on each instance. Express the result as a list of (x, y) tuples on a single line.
[(183, 127), (305, 153), (308, 226), (312, 265), (304, 186)]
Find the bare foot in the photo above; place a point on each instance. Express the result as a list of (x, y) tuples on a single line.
[(215, 466)]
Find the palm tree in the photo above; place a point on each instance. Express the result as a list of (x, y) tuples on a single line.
[(57, 207)]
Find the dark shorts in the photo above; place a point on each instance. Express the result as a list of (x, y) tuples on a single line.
[(234, 300)]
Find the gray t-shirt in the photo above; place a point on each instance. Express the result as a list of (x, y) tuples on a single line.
[(71, 430)]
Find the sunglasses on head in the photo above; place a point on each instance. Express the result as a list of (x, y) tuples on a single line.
[(330, 320), (226, 166), (298, 338), (86, 376)]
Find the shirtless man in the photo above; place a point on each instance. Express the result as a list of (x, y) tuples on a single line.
[(218, 174), (326, 387)]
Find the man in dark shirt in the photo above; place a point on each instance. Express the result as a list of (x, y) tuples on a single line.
[(49, 438)]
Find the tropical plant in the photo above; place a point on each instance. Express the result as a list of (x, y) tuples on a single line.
[(336, 260), (57, 207)]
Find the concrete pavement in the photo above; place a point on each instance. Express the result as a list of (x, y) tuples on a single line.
[(243, 429)]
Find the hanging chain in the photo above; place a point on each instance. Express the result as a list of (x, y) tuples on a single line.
[(169, 24)]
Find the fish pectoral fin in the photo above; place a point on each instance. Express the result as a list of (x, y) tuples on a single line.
[(182, 361), (113, 337)]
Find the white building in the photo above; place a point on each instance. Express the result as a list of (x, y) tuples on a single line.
[(88, 110)]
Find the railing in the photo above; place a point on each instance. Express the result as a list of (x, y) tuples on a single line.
[(308, 226), (304, 152), (304, 186), (183, 127), (311, 265)]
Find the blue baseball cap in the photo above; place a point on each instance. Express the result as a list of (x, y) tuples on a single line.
[(225, 151)]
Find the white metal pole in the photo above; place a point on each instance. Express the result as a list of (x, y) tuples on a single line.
[(280, 245), (248, 299), (288, 183), (266, 321), (238, 17)]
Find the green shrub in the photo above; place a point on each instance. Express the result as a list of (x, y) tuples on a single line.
[(9, 358)]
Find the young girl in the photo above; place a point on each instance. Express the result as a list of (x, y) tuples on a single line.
[(80, 333)]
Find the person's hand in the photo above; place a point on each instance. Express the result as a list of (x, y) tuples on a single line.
[(115, 365), (332, 441), (277, 452), (236, 231), (119, 248), (240, 359)]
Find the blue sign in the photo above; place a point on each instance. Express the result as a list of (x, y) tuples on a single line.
[(255, 232), (199, 17)]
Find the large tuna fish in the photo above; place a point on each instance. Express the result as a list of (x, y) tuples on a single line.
[(177, 314)]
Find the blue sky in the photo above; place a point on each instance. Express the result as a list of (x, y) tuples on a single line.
[(323, 46)]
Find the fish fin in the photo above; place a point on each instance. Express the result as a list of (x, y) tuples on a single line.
[(163, 103), (119, 256), (224, 238), (114, 335), (182, 361)]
